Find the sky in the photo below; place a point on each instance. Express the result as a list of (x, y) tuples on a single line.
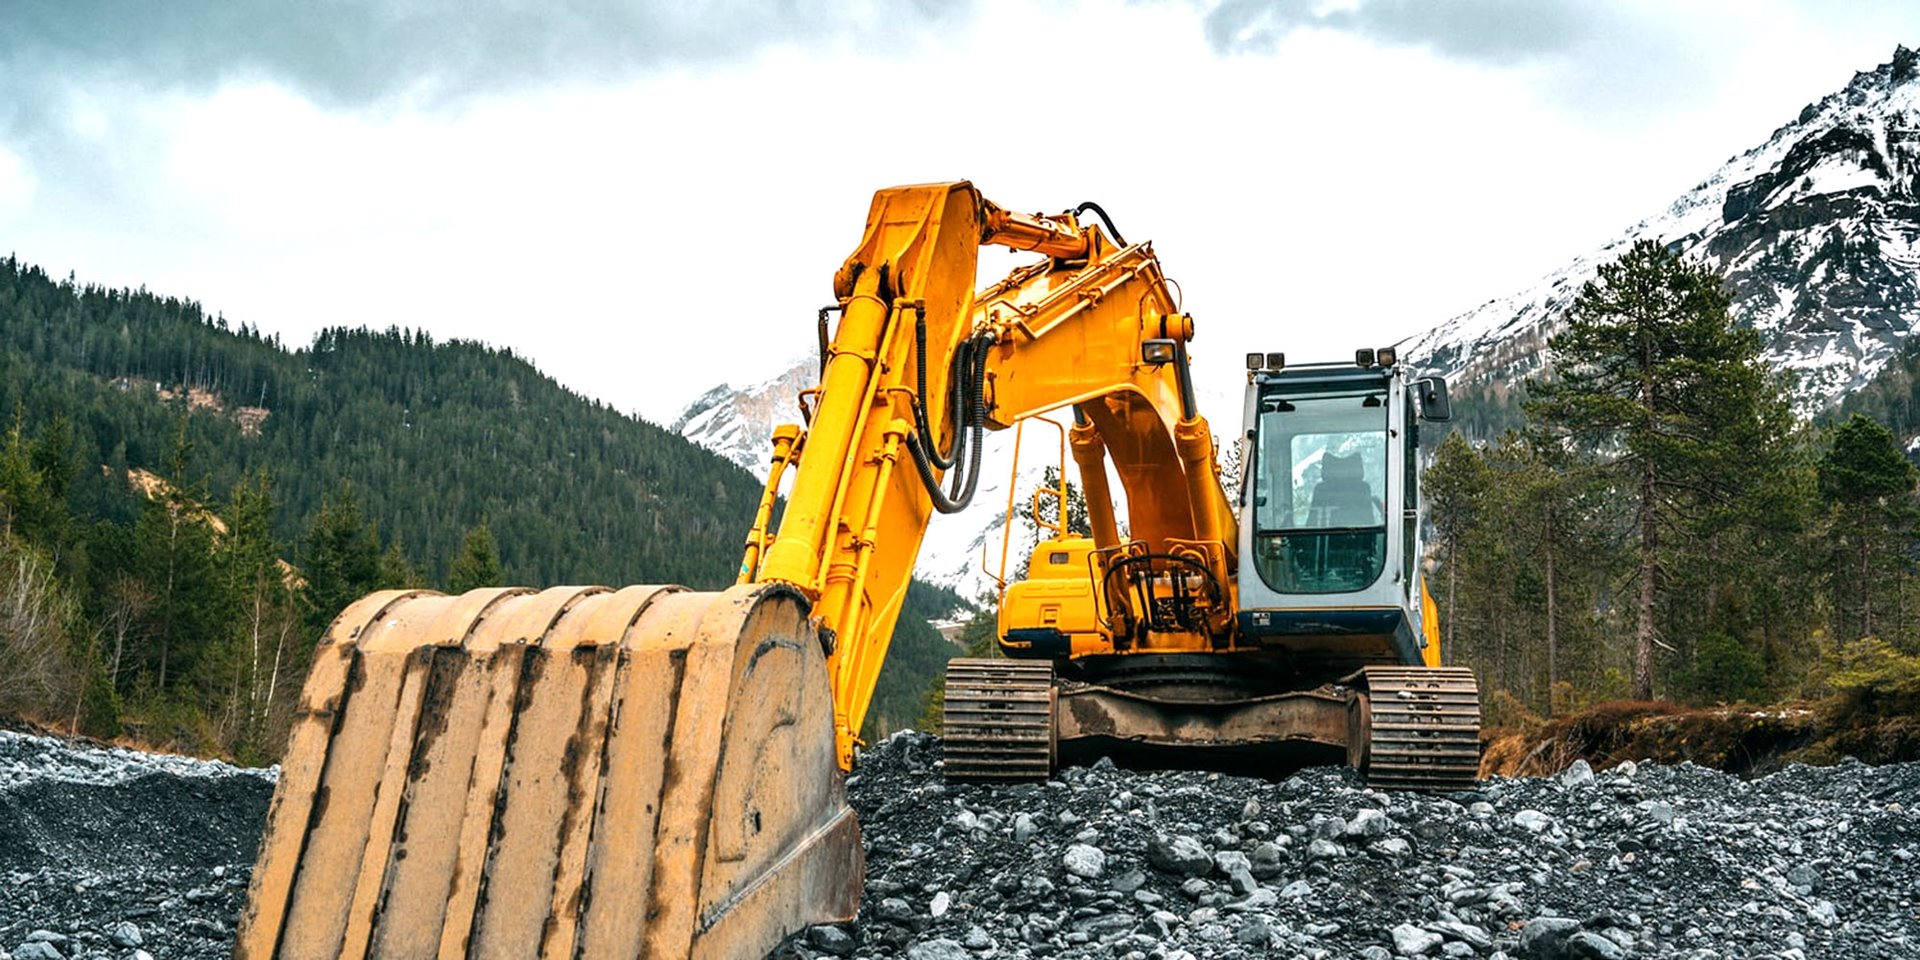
[(649, 199)]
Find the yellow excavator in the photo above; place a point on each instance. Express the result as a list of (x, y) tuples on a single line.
[(658, 772)]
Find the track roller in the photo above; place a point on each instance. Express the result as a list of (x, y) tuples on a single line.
[(1417, 728), (998, 720)]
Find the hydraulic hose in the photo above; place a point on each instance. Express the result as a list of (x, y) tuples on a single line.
[(969, 367), (1112, 230), (944, 459)]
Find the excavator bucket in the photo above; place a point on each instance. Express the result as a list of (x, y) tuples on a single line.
[(578, 772)]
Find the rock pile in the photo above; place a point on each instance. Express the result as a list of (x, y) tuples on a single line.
[(111, 853), (114, 854), (1649, 862)]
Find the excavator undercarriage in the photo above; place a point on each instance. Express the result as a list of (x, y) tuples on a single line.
[(1413, 728)]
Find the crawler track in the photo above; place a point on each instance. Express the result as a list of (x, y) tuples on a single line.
[(998, 720), (1423, 728)]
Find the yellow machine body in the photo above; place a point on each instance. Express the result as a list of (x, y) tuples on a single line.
[(655, 772)]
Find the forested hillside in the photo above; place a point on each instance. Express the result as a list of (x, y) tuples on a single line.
[(433, 437), (1658, 524), (185, 503)]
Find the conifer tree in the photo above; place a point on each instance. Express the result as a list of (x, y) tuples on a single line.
[(175, 554), (1457, 487), (1654, 373), (478, 563), (262, 658), (1867, 485), (341, 558)]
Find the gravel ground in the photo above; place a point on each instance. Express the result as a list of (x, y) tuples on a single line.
[(1648, 862), (117, 854)]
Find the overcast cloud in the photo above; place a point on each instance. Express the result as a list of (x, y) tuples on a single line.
[(571, 178), (359, 52)]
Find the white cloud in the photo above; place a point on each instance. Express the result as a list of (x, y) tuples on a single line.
[(16, 182), (642, 238)]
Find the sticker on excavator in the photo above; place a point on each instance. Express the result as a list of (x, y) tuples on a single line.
[(577, 772)]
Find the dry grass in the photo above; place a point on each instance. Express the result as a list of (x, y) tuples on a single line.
[(1737, 739)]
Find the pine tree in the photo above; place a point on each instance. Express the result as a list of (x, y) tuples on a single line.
[(173, 541), (1867, 485), (262, 656), (341, 558), (478, 563), (1458, 485), (1655, 375), (397, 571)]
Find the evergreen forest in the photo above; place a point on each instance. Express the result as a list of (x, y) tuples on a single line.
[(185, 503), (1655, 523)]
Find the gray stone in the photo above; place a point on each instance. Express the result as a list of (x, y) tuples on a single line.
[(895, 910), (1178, 853), (1253, 932), (1804, 876), (125, 935), (1325, 850), (47, 936), (1368, 823), (37, 950), (1659, 810), (1545, 938), (1376, 952), (1457, 949), (1411, 941), (1261, 898), (1823, 913), (1392, 848), (1086, 861), (1195, 888), (1578, 774), (1587, 945), (1166, 920), (1463, 932), (1237, 869), (1297, 890), (976, 938), (1265, 860), (941, 901), (1023, 827), (830, 939), (1130, 881), (1533, 820), (938, 949)]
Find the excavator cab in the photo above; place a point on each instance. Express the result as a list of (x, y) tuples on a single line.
[(1330, 515)]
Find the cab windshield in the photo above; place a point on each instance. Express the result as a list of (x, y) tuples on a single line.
[(1320, 487)]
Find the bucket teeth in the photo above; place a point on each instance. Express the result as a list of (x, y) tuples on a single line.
[(577, 772)]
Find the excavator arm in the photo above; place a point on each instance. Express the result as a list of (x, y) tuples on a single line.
[(651, 772), (920, 364)]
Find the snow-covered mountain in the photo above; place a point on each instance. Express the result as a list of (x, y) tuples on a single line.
[(1817, 231), (959, 549)]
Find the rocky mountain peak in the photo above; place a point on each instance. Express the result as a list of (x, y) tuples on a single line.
[(1817, 231)]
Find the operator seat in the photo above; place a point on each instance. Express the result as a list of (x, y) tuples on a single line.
[(1342, 498)]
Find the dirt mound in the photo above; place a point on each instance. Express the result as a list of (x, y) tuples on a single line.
[(1741, 740)]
